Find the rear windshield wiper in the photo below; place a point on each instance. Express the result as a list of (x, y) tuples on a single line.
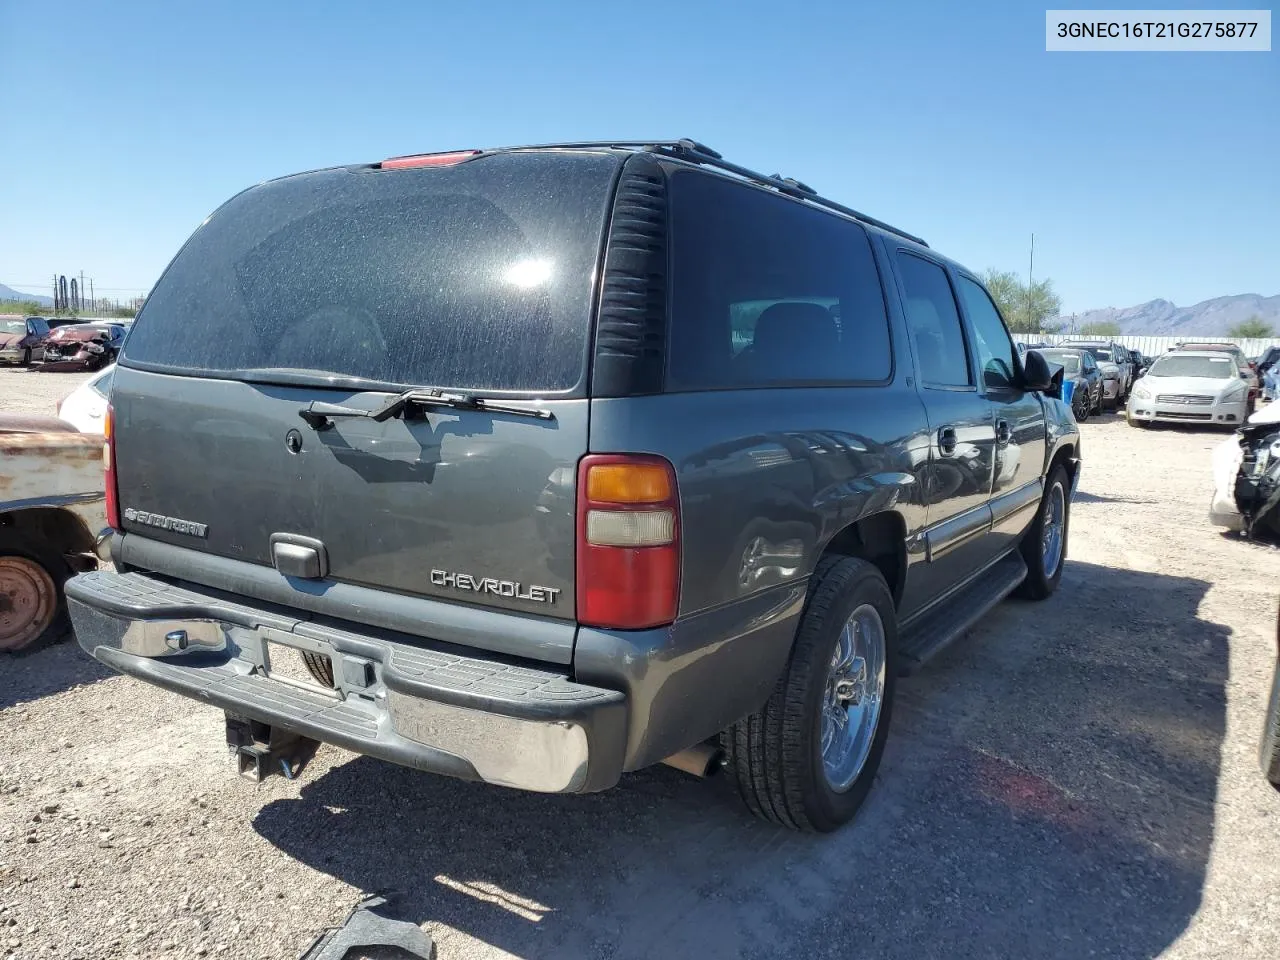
[(410, 404)]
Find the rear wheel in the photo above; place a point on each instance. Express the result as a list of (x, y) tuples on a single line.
[(807, 758), (1044, 545), (32, 608)]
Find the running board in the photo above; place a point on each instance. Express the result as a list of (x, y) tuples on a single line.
[(952, 617)]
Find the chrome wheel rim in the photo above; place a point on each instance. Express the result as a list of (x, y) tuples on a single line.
[(852, 698), (1055, 512)]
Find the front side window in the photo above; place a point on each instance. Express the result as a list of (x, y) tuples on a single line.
[(934, 320), (767, 291), (995, 347)]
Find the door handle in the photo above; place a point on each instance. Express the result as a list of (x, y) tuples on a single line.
[(1003, 433), (947, 441)]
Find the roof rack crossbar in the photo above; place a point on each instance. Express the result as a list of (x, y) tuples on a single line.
[(695, 152)]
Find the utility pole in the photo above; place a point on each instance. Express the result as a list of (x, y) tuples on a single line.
[(92, 299), (81, 306), (1030, 271)]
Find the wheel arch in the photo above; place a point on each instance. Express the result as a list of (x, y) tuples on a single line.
[(880, 539), (45, 532)]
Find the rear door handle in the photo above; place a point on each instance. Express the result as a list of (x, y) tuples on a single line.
[(947, 441), (1003, 433)]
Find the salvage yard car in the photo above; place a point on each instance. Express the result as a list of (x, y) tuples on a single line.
[(1079, 367), (551, 463), (1113, 362), (1248, 372), (83, 346), (51, 521), (85, 407), (1186, 386), (22, 340)]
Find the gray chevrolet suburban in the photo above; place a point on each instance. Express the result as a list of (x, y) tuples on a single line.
[(538, 465)]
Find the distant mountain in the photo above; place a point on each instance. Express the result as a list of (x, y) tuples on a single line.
[(1160, 318), (8, 293)]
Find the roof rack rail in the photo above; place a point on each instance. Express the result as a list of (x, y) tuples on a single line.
[(695, 152)]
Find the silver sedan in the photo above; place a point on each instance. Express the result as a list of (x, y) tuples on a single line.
[(1190, 387)]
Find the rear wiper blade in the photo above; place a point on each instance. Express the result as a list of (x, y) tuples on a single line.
[(320, 415)]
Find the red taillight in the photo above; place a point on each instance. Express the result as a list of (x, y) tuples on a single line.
[(109, 469), (628, 562), (428, 160)]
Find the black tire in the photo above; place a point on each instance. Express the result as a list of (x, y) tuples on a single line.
[(56, 624), (1269, 754), (320, 667), (1039, 584), (773, 757), (1081, 410)]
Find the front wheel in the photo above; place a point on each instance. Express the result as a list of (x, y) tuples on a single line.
[(807, 758), (1044, 545)]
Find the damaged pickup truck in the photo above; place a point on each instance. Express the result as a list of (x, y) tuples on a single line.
[(52, 514)]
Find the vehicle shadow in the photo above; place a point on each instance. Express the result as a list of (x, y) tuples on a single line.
[(27, 676), (1083, 496), (1047, 792)]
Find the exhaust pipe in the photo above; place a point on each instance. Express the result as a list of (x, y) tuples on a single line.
[(700, 760)]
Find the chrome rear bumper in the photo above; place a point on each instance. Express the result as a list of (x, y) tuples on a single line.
[(399, 700)]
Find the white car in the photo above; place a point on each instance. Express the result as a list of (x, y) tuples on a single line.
[(1263, 446), (1191, 386), (86, 405)]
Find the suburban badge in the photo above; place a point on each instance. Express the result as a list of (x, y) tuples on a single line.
[(189, 527)]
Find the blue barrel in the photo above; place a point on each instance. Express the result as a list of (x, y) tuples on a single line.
[(1068, 388)]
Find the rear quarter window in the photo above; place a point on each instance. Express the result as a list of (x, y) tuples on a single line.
[(766, 291), (477, 276)]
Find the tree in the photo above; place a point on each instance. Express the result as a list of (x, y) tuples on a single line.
[(1101, 328), (1025, 311), (1005, 290), (1253, 328)]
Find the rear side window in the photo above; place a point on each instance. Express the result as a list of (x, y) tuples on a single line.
[(934, 320), (101, 384), (477, 276), (766, 291)]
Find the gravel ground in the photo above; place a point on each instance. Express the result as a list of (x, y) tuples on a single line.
[(1075, 779)]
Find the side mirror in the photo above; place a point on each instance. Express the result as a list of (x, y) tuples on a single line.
[(1035, 372)]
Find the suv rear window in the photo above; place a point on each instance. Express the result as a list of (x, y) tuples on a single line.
[(477, 276), (768, 291)]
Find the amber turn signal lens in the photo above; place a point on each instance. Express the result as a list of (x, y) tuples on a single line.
[(628, 483)]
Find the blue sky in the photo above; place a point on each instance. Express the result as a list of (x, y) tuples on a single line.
[(1141, 175)]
